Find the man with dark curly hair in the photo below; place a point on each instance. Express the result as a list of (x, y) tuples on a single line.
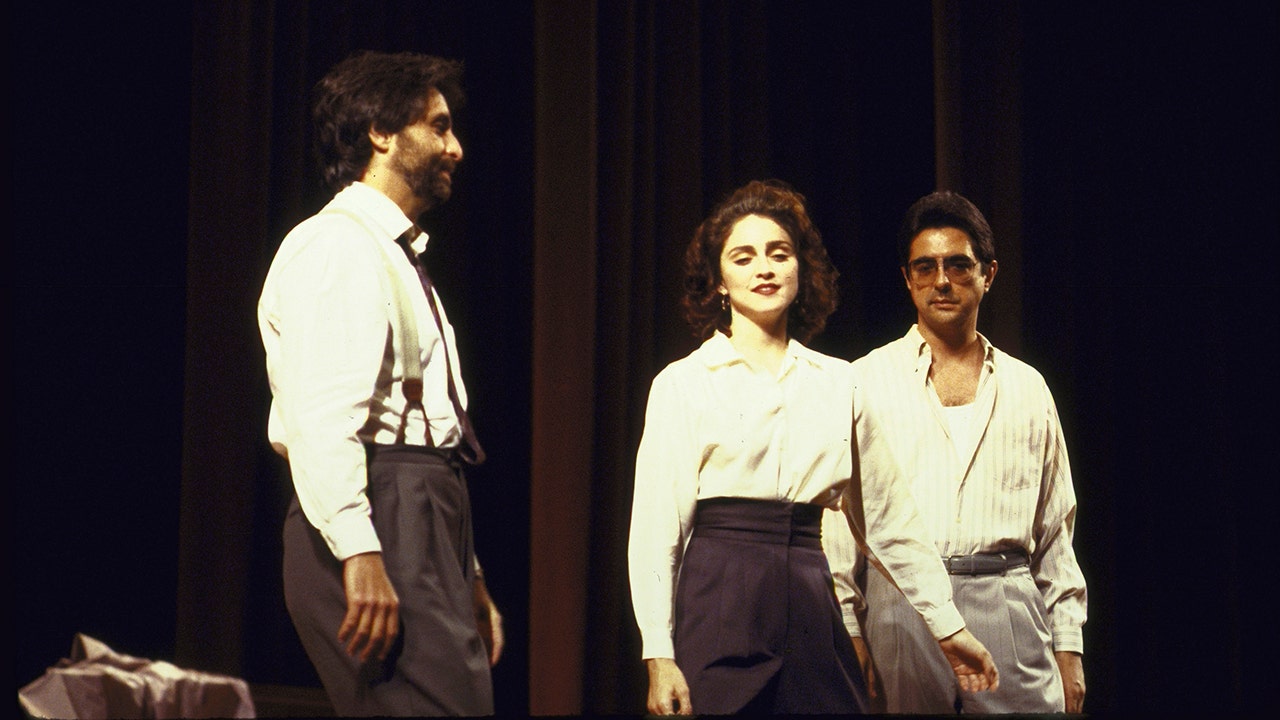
[(977, 434), (369, 408)]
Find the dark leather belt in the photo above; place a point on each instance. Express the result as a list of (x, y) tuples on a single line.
[(985, 563)]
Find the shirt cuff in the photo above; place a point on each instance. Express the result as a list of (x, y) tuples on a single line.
[(851, 622), (1068, 640), (351, 535), (944, 621), (658, 647)]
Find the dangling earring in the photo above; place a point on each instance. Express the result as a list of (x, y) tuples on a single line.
[(724, 301)]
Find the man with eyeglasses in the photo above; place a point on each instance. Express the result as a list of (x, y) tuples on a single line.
[(976, 433)]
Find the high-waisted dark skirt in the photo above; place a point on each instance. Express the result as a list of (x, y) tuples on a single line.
[(758, 628)]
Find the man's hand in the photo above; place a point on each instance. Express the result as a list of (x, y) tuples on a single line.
[(668, 691), (488, 621), (1071, 668), (867, 665), (970, 661), (372, 622)]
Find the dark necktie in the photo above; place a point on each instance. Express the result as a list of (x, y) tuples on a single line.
[(470, 449)]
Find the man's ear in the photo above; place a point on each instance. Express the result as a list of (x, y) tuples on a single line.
[(989, 275), (381, 141)]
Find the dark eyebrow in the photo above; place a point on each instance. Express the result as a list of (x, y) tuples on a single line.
[(441, 118), (945, 259), (775, 244)]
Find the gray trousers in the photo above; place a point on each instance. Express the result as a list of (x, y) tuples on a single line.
[(1005, 612), (439, 664)]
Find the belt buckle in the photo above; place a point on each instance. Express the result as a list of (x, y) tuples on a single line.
[(961, 565)]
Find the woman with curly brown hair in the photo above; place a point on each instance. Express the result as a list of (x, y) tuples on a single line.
[(746, 442)]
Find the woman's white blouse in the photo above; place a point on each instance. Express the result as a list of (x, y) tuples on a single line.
[(716, 428)]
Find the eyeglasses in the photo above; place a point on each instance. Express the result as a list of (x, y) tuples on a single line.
[(958, 269)]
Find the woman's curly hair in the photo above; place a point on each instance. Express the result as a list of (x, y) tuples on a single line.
[(773, 199)]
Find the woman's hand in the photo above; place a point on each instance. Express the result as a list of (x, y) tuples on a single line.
[(668, 691), (868, 666)]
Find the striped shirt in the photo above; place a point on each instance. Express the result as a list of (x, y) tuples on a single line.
[(1003, 484)]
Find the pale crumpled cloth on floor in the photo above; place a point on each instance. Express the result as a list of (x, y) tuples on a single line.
[(97, 682)]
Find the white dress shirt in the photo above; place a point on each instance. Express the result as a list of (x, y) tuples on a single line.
[(716, 428), (327, 315), (1003, 484)]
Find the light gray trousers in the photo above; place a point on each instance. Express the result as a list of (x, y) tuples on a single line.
[(1005, 612)]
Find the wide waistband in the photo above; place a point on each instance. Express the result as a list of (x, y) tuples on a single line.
[(776, 522), (985, 563), (404, 453)]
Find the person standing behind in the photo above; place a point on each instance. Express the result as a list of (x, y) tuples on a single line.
[(977, 433), (745, 441), (369, 408)]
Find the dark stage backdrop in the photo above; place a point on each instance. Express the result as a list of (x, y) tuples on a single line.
[(98, 121), (1125, 155)]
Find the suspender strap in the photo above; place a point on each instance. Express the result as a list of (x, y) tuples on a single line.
[(410, 346)]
